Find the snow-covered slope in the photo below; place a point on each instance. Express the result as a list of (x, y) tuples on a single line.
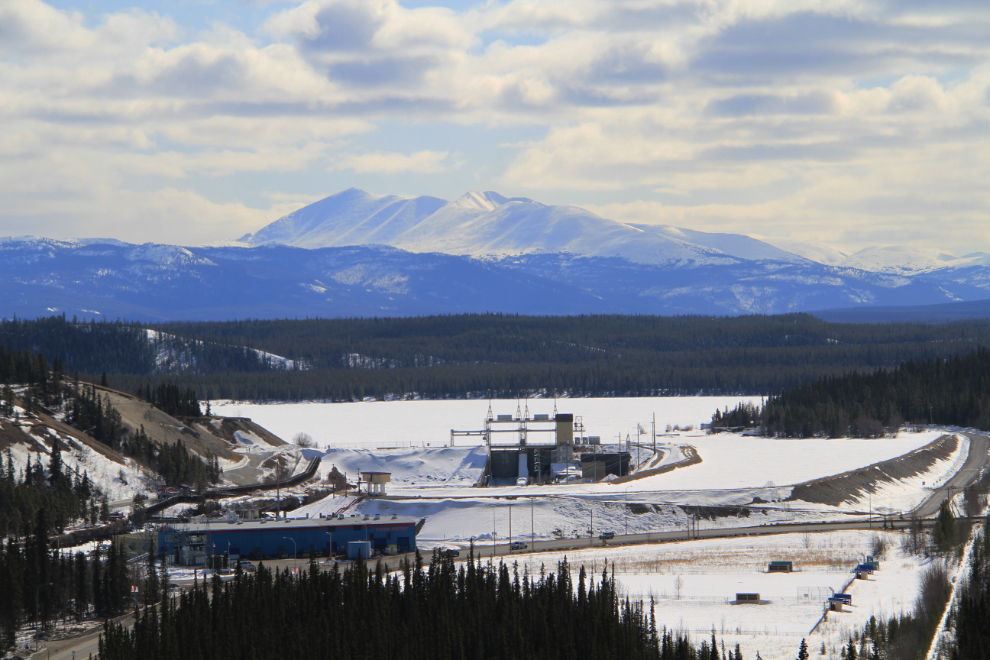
[(902, 260), (487, 223), (816, 251), (87, 279), (352, 217)]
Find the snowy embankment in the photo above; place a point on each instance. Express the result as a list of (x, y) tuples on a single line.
[(457, 466), (907, 492)]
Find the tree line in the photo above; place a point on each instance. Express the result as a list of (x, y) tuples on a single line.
[(472, 354), (438, 612), (952, 391)]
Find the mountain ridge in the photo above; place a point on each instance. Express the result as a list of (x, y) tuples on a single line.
[(481, 224)]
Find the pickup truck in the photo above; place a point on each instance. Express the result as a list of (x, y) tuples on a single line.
[(606, 536), (517, 545)]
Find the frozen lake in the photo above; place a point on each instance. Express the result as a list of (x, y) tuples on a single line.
[(428, 423)]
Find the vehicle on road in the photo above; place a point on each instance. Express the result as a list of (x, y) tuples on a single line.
[(606, 536), (246, 566), (517, 545), (450, 552)]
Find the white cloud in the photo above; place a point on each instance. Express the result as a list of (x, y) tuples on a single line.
[(806, 117), (420, 162)]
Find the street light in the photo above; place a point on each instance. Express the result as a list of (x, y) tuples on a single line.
[(510, 528), (294, 552), (493, 530)]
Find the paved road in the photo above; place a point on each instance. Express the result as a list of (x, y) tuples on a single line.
[(979, 445)]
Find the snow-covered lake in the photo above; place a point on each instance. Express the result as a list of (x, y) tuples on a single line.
[(428, 423)]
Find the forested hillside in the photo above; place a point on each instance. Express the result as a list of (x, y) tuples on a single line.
[(470, 355), (950, 391)]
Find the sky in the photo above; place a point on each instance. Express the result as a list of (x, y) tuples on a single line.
[(192, 121)]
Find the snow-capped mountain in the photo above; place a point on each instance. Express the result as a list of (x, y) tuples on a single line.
[(488, 224), (357, 254)]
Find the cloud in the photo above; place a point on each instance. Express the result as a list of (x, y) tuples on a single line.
[(805, 117), (420, 162)]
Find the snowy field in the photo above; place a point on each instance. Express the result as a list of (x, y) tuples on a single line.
[(428, 423), (694, 583)]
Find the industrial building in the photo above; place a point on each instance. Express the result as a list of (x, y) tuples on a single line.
[(525, 448), (190, 544)]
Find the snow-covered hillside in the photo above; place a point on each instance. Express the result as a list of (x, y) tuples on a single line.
[(490, 224), (29, 439)]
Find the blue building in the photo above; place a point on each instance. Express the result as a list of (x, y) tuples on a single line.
[(189, 544)]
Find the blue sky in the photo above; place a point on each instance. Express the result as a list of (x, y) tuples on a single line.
[(185, 121)]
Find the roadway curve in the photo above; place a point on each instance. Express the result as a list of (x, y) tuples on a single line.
[(978, 455)]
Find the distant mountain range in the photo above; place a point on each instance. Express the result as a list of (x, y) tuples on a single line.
[(356, 254)]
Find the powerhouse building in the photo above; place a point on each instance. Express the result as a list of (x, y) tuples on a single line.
[(190, 544)]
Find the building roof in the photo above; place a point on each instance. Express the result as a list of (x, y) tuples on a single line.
[(221, 526)]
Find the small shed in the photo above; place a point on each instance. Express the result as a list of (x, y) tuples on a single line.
[(835, 604), (780, 567), (845, 598), (753, 599), (376, 481), (863, 571)]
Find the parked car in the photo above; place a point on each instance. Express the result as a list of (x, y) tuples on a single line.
[(517, 545), (606, 536)]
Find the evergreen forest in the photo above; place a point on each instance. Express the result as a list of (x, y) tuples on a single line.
[(438, 612), (952, 391), (36, 578), (472, 355)]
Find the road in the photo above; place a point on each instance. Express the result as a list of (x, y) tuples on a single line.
[(979, 454), (979, 445)]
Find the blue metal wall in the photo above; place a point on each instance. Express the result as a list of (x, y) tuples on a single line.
[(321, 538)]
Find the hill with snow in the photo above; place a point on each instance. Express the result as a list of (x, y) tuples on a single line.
[(482, 224)]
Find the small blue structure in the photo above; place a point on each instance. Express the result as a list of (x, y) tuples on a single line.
[(190, 544), (845, 598), (355, 548)]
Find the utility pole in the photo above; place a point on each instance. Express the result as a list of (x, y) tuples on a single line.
[(591, 537), (532, 526), (654, 433), (510, 528)]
